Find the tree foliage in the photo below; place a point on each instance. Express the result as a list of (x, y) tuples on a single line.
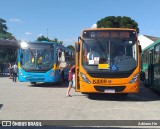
[(3, 26), (7, 35), (71, 47), (6, 54), (43, 38), (117, 22), (3, 31)]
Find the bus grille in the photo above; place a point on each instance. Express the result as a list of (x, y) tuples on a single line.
[(103, 88), (36, 79), (110, 75)]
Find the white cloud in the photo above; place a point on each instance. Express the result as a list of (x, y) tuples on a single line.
[(39, 35), (15, 20), (94, 26), (28, 33)]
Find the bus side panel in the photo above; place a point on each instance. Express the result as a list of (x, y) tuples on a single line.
[(77, 59), (156, 77)]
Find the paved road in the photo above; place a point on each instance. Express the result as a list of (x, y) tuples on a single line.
[(21, 101)]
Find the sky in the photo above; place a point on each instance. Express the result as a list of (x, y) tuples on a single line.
[(65, 19)]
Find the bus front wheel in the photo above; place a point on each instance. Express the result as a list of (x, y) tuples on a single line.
[(62, 77), (33, 83)]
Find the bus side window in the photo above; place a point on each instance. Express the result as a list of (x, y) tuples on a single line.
[(69, 58), (85, 56), (21, 59), (62, 60), (59, 55)]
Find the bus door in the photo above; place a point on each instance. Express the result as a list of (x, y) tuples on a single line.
[(151, 68), (77, 61)]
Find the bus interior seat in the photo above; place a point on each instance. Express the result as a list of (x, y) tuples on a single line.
[(126, 64)]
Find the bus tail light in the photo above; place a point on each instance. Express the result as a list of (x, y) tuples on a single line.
[(85, 79), (134, 78)]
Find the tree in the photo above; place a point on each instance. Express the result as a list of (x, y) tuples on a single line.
[(43, 38), (3, 31), (71, 47), (3, 26), (118, 22), (7, 35), (6, 53), (56, 40)]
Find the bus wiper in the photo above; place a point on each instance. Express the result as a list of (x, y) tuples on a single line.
[(42, 53), (32, 53), (100, 45)]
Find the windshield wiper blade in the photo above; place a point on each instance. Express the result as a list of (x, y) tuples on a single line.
[(100, 45)]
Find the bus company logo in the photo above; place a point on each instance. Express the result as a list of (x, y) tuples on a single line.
[(99, 81), (93, 34), (6, 123), (109, 81)]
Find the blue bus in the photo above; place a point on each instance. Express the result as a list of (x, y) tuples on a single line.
[(44, 62)]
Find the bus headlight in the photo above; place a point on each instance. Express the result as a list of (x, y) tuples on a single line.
[(134, 78), (20, 72), (85, 79)]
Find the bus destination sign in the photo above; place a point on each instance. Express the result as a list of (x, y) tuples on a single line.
[(108, 34)]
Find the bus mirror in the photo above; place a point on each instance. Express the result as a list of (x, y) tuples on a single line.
[(77, 44), (140, 49)]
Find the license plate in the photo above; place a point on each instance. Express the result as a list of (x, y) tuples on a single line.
[(109, 91)]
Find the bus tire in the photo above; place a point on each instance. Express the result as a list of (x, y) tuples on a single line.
[(33, 83), (85, 93), (62, 77), (145, 83), (124, 96), (142, 76)]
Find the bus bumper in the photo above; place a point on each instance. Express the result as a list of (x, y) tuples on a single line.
[(38, 77), (123, 88)]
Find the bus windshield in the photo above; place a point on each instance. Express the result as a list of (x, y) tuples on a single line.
[(37, 57), (113, 55)]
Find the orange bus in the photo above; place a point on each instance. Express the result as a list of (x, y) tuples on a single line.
[(107, 61)]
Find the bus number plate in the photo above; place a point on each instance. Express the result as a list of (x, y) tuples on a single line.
[(109, 90)]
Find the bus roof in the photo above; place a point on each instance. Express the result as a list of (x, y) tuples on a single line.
[(9, 43), (109, 29), (151, 45), (49, 43), (42, 42)]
